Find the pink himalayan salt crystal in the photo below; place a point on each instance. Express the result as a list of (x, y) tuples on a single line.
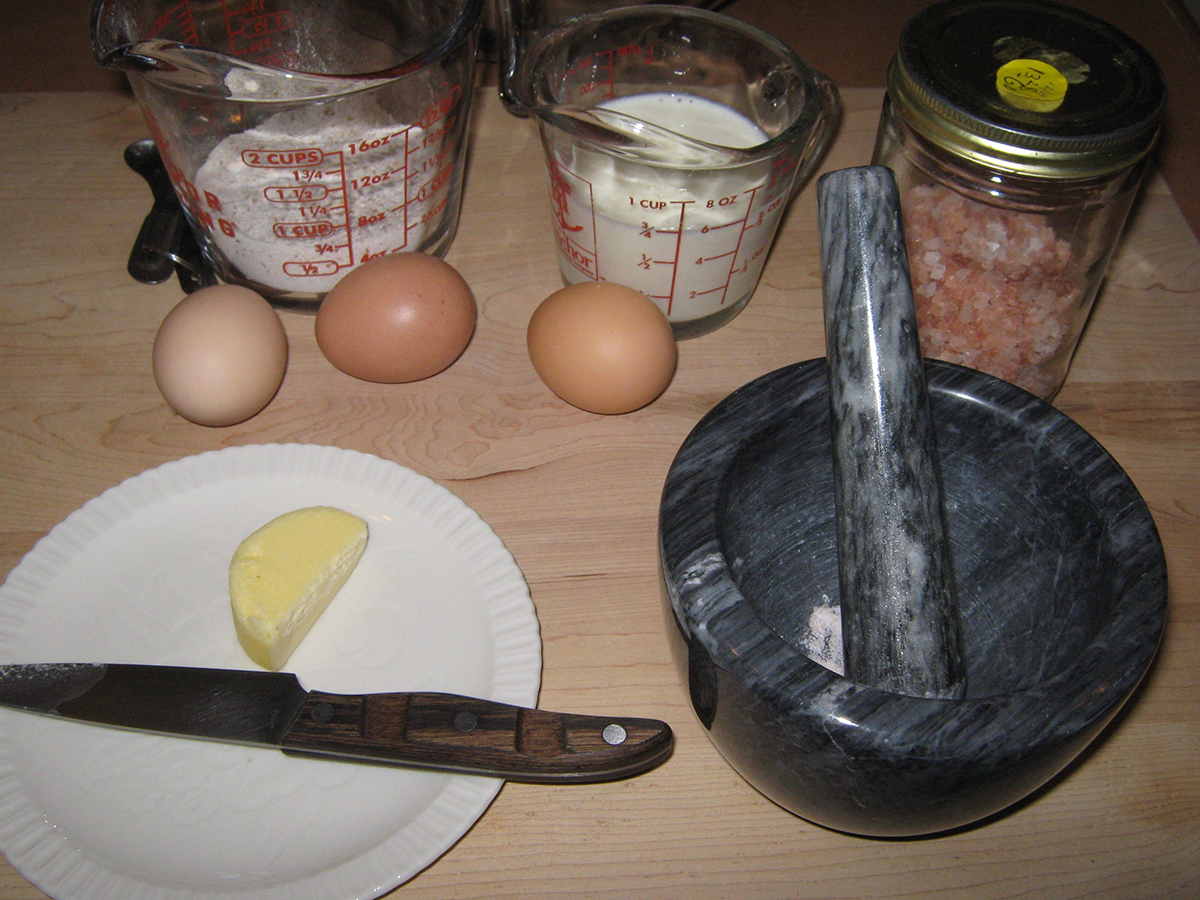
[(994, 289)]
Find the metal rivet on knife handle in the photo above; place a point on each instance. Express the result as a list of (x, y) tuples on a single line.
[(614, 734), (465, 721)]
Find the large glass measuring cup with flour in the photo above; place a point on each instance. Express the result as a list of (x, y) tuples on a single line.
[(303, 137), (675, 138)]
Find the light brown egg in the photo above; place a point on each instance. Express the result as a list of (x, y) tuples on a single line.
[(396, 318), (602, 347), (220, 355)]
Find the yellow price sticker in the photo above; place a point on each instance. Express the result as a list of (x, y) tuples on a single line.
[(1031, 84)]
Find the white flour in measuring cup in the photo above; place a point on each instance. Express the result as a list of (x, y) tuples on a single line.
[(295, 202), (693, 241)]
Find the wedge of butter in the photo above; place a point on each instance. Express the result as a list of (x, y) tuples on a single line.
[(283, 576)]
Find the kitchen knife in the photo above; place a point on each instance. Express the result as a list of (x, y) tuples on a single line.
[(271, 709)]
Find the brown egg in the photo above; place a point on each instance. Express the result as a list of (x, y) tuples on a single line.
[(602, 347), (396, 318), (220, 355)]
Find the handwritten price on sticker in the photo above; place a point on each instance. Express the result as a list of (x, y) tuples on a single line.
[(1031, 84)]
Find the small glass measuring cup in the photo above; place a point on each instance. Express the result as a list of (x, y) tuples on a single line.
[(302, 137), (675, 138)]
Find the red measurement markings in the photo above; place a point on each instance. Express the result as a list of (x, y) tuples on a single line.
[(573, 237), (402, 208), (300, 193), (373, 179), (431, 187), (203, 205), (713, 229), (316, 179), (438, 111), (341, 181), (174, 23), (600, 67), (268, 23), (311, 185), (434, 211), (251, 26), (741, 236), (303, 230), (435, 134), (646, 53), (311, 268), (415, 200), (304, 157), (435, 125), (674, 261), (395, 143), (746, 226), (602, 70)]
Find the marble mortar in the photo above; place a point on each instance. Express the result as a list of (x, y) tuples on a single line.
[(1061, 588)]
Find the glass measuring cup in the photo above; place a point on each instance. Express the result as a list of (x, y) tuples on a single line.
[(302, 137), (675, 138)]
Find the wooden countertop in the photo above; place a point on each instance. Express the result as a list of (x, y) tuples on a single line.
[(574, 496)]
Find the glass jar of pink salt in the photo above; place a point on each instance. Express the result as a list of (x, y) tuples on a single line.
[(1019, 133)]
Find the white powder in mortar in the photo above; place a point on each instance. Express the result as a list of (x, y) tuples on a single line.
[(823, 639)]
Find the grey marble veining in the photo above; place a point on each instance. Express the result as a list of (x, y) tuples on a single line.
[(899, 617), (1061, 586)]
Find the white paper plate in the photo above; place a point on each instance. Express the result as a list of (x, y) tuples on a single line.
[(139, 574)]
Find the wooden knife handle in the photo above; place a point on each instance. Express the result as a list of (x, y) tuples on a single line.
[(480, 737)]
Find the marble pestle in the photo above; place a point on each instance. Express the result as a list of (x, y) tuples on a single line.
[(900, 620)]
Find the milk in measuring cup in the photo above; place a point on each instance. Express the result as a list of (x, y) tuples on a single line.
[(303, 197), (695, 241)]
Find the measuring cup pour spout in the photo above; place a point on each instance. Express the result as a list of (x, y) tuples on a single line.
[(675, 138), (302, 137), (118, 43), (624, 134)]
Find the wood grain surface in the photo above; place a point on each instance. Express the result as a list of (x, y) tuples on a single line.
[(574, 496)]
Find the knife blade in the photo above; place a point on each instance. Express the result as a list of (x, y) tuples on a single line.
[(428, 730)]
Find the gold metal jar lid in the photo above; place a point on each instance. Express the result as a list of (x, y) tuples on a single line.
[(1029, 88)]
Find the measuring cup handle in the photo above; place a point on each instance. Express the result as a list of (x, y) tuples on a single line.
[(511, 27), (825, 128)]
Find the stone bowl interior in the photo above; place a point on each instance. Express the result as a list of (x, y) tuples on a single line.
[(1060, 580)]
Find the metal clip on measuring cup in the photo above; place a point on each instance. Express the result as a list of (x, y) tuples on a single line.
[(675, 138), (302, 138)]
